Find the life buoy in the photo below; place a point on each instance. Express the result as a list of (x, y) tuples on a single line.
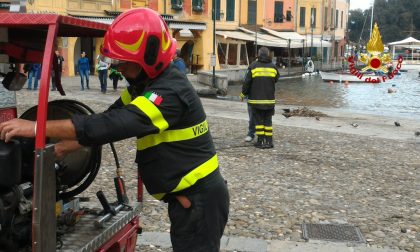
[(310, 66)]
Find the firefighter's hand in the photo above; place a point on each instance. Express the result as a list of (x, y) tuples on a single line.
[(17, 127), (242, 97), (66, 146)]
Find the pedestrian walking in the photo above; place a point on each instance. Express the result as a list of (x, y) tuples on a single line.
[(57, 70), (259, 86), (34, 75), (102, 68), (176, 157), (115, 76), (83, 68)]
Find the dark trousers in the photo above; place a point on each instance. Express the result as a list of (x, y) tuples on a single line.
[(251, 123), (263, 121), (200, 227), (103, 76), (115, 82)]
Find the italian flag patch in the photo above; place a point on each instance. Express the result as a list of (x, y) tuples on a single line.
[(153, 97)]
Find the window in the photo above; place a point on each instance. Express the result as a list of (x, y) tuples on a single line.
[(325, 18), (278, 12), (342, 19), (313, 17), (332, 18), (176, 4), (288, 16), (252, 14), (221, 53), (336, 18), (197, 5), (233, 54), (302, 16), (217, 9), (230, 10)]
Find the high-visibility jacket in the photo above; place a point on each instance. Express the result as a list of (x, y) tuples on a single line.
[(174, 145), (259, 84)]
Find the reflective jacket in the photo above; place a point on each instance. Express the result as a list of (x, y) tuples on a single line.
[(174, 145), (259, 84)]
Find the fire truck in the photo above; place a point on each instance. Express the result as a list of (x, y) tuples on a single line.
[(39, 205)]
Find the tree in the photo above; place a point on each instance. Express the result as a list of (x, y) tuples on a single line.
[(397, 20)]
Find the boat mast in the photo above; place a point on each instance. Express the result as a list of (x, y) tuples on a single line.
[(371, 20)]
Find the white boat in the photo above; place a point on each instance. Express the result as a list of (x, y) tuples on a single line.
[(348, 77)]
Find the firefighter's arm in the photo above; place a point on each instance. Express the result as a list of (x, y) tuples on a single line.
[(138, 119), (61, 129)]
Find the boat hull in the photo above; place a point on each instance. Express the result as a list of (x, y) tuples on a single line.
[(340, 77)]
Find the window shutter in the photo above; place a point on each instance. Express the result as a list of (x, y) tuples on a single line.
[(230, 10)]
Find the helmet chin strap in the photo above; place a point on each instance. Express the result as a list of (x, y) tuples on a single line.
[(138, 84)]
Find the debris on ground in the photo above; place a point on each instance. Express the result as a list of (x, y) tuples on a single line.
[(397, 124), (305, 112)]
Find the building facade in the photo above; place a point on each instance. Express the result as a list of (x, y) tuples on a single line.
[(290, 28)]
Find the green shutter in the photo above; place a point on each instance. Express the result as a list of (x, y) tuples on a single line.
[(217, 2), (230, 10)]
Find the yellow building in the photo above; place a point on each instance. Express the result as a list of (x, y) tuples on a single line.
[(278, 25), (323, 20)]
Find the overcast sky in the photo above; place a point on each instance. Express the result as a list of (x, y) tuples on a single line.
[(360, 4)]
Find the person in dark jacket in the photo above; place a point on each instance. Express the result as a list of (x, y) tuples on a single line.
[(176, 156), (179, 62), (56, 72), (115, 76), (259, 86)]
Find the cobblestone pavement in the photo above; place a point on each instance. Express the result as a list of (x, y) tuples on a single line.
[(310, 176)]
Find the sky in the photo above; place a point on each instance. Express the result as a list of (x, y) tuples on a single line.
[(360, 4)]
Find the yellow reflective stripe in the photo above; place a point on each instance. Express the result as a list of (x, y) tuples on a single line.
[(269, 133), (172, 136), (268, 128), (198, 173), (125, 97), (193, 176), (152, 112), (159, 196), (259, 126), (259, 132), (263, 72), (262, 101)]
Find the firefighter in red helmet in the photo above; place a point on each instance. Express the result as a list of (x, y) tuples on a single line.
[(175, 153)]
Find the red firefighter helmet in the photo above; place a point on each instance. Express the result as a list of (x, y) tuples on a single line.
[(140, 36)]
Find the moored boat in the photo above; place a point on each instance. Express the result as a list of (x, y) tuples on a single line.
[(348, 77)]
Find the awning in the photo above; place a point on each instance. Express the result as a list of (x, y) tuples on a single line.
[(103, 20), (262, 39), (186, 25), (68, 26), (294, 36), (265, 39), (410, 41), (236, 35), (328, 37)]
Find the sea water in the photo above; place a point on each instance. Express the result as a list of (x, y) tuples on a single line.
[(353, 97)]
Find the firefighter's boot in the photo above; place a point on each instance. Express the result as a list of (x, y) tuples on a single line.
[(268, 144), (260, 142)]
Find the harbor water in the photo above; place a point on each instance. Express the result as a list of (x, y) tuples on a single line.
[(353, 97)]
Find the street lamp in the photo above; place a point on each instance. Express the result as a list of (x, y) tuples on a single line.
[(312, 30), (256, 28), (213, 56)]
